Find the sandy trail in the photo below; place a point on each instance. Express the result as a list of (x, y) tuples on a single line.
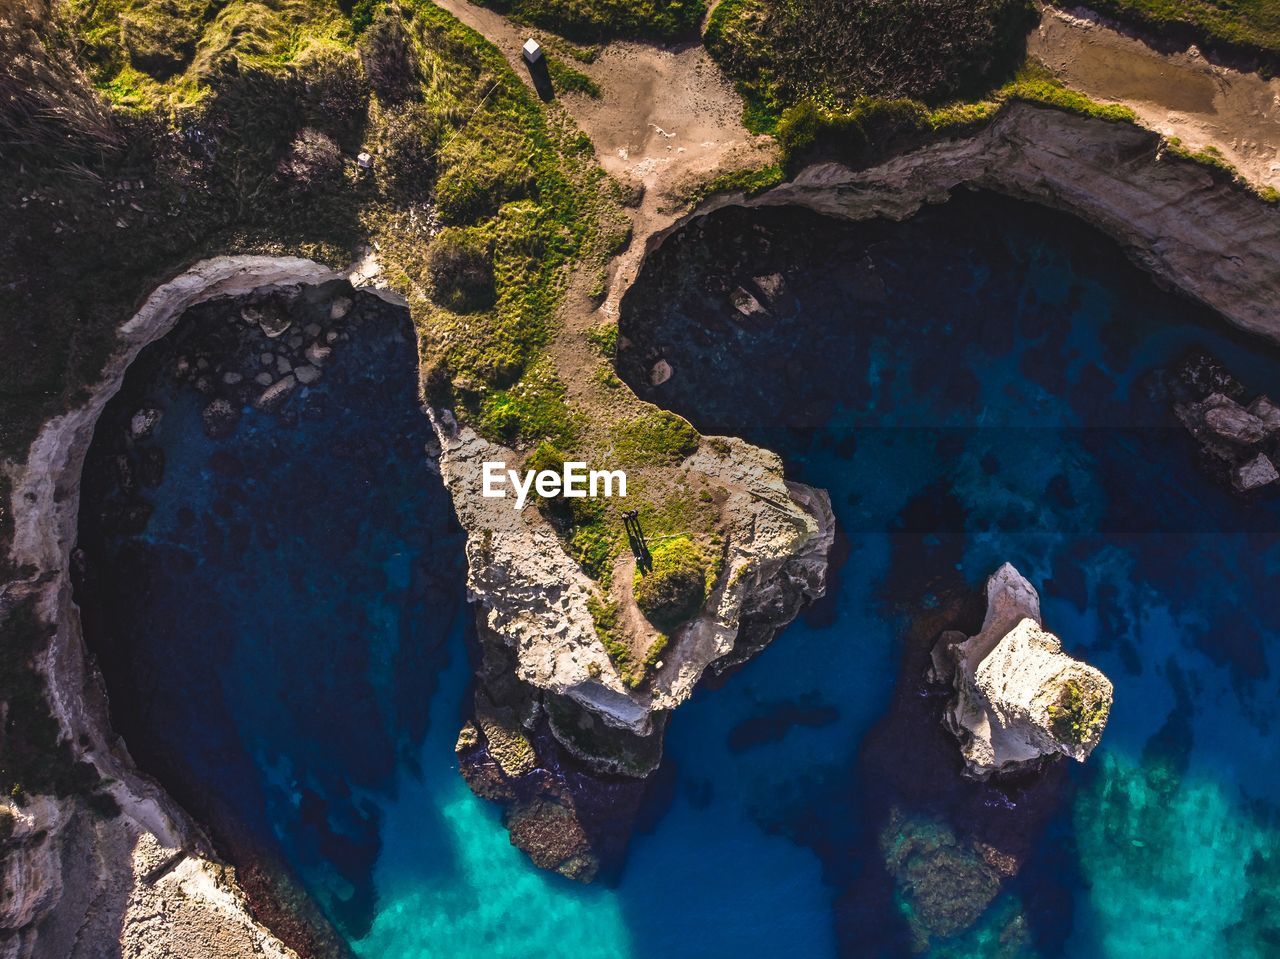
[(1178, 94), (667, 118)]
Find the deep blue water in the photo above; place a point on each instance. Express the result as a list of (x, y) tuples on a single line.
[(972, 386)]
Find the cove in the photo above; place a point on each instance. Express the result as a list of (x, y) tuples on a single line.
[(981, 383), (285, 633)]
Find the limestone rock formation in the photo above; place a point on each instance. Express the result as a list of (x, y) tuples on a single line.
[(1019, 699)]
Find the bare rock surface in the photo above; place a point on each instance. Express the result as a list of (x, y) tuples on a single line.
[(1020, 700)]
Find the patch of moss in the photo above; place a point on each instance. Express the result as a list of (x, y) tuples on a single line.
[(672, 590), (604, 613), (604, 337), (656, 437), (1075, 717)]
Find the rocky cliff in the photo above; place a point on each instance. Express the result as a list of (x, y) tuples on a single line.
[(1019, 699), (74, 881), (1188, 225)]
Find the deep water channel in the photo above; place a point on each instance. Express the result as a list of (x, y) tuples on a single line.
[(279, 616)]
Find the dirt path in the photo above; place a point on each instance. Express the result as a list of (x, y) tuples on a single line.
[(1179, 94), (666, 118)]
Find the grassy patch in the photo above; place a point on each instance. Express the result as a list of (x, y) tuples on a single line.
[(1252, 24), (567, 79), (594, 20), (672, 591), (1075, 717), (657, 437), (835, 52)]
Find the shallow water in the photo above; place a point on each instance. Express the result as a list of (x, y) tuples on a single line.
[(312, 667)]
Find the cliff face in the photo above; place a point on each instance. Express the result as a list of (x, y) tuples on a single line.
[(74, 881), (1193, 231)]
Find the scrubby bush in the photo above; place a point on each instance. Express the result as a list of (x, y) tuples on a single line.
[(835, 51), (336, 96), (408, 141), (460, 266), (390, 61), (672, 590), (313, 162), (592, 20), (655, 438)]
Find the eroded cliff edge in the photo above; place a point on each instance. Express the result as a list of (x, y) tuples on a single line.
[(1190, 226)]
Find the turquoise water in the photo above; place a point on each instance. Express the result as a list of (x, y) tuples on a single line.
[(972, 386)]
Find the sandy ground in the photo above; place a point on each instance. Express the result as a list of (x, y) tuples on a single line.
[(1179, 94)]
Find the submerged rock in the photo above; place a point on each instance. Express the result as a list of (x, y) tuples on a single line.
[(220, 418), (144, 422), (1020, 700)]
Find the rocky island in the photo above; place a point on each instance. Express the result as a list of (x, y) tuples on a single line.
[(1019, 699)]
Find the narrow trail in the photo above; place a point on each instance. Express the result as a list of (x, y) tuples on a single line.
[(1180, 94)]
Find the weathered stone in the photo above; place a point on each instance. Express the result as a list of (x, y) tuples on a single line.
[(1019, 698), (317, 354), (340, 308), (660, 373), (306, 374), (1267, 412), (746, 304), (264, 379), (1228, 420), (273, 396), (1255, 474), (283, 365), (232, 378), (144, 422)]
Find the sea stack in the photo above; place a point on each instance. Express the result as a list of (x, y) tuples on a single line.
[(1019, 699)]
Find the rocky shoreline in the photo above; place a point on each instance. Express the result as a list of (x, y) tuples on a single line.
[(1191, 230)]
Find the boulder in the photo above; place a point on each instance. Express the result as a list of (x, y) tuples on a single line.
[(1225, 419), (144, 422), (1255, 474), (273, 396), (306, 374), (1019, 699), (220, 418), (317, 354), (1267, 412), (660, 373)]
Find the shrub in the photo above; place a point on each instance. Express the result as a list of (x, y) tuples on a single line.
[(460, 267), (673, 590), (390, 62), (312, 162), (592, 20), (408, 140)]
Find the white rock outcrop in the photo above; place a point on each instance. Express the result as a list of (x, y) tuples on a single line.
[(1019, 699)]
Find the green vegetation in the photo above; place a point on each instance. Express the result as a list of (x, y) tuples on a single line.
[(1075, 718), (604, 613), (656, 437), (594, 20), (750, 181), (835, 52), (460, 265), (34, 756), (1251, 24), (567, 79), (872, 127), (604, 337), (672, 591)]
